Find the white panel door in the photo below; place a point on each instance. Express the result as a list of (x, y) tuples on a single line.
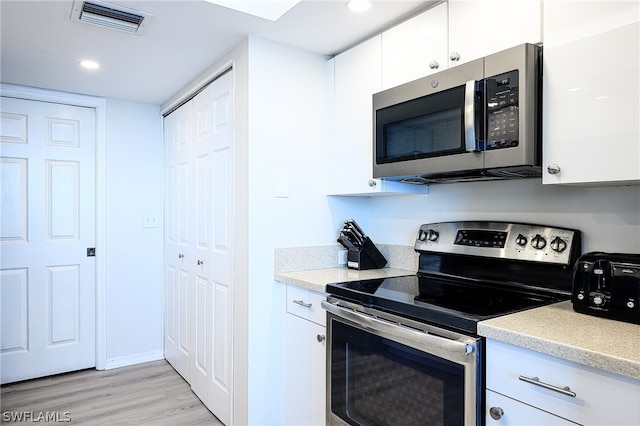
[(199, 244), (47, 281), (201, 206), (178, 258), (221, 381)]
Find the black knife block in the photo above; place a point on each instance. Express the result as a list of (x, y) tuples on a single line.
[(366, 257)]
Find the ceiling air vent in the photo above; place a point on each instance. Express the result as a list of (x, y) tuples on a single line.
[(109, 16)]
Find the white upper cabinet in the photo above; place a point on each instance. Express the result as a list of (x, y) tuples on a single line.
[(591, 92), (357, 75), (478, 28), (415, 48), (406, 52)]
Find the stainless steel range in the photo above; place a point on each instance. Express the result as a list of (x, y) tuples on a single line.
[(405, 350)]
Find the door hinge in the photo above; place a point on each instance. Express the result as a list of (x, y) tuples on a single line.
[(91, 252)]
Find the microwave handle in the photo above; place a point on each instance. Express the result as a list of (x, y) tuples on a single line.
[(471, 142)]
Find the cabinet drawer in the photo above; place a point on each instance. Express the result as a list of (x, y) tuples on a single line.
[(517, 413), (601, 398), (306, 304)]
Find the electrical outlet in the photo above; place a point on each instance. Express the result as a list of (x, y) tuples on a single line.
[(342, 257), (150, 221)]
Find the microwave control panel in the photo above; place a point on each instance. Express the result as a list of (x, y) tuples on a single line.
[(502, 110)]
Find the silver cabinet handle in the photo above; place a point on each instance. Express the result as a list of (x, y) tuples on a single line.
[(496, 413), (455, 56), (301, 303), (320, 338), (372, 183), (434, 65), (536, 381), (200, 262), (180, 255), (553, 169)]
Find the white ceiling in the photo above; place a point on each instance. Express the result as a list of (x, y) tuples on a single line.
[(41, 46)]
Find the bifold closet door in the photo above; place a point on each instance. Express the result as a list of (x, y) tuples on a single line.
[(199, 244)]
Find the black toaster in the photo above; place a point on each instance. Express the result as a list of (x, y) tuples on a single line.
[(607, 285)]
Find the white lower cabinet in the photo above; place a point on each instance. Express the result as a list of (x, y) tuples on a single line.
[(305, 358), (525, 387), (502, 410)]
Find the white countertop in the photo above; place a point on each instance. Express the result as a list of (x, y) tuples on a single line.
[(317, 279), (559, 331)]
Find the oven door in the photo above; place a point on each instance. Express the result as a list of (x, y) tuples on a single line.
[(384, 370)]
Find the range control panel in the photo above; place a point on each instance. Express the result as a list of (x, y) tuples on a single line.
[(517, 241)]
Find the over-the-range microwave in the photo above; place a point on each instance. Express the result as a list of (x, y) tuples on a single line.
[(479, 120)]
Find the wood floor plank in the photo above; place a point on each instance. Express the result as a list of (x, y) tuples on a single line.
[(145, 394)]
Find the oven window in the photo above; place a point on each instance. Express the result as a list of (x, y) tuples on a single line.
[(376, 381)]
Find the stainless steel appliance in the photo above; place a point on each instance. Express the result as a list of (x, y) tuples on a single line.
[(405, 350), (477, 121), (608, 285)]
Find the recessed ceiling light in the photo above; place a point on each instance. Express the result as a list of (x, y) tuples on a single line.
[(90, 65), (358, 5)]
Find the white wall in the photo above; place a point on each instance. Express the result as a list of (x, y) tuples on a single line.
[(287, 127), (133, 253), (609, 217)]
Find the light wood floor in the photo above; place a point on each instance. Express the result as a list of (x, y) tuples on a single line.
[(145, 394)]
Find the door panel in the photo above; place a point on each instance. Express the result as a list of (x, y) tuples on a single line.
[(199, 244), (13, 225), (221, 385), (177, 348), (47, 282)]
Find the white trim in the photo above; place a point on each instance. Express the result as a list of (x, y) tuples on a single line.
[(125, 361), (195, 87), (100, 105)]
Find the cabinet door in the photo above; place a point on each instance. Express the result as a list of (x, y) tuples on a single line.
[(501, 410), (305, 365), (591, 92), (415, 48), (480, 27), (357, 76), (573, 391)]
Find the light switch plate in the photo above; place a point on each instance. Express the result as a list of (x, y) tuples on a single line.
[(281, 185)]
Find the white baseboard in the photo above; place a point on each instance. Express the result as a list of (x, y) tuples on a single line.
[(125, 361)]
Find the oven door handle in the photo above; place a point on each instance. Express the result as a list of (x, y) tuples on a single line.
[(429, 342)]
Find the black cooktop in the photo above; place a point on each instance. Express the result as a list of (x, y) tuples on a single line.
[(452, 304)]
